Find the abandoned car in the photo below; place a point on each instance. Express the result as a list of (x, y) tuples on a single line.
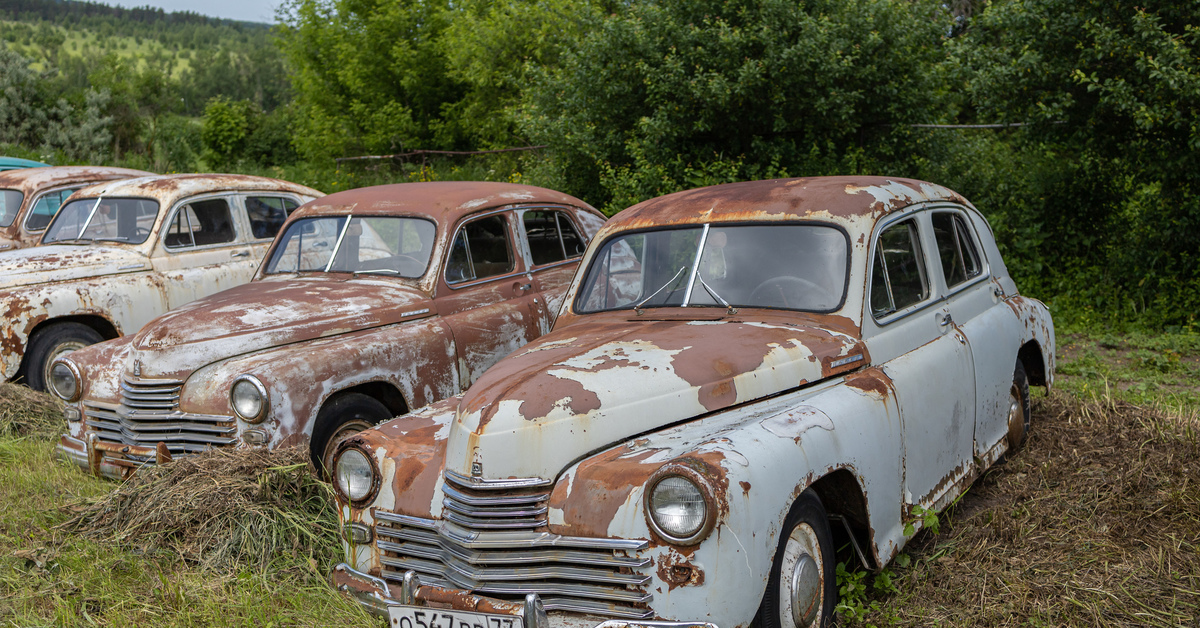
[(737, 373), (120, 253), (30, 197), (371, 302)]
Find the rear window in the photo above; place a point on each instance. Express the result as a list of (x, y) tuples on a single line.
[(10, 204)]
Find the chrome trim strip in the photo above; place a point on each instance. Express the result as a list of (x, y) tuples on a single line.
[(503, 557), (492, 500), (467, 568), (493, 524), (514, 587), (493, 485), (510, 540), (454, 505)]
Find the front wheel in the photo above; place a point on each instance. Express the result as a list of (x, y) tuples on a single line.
[(802, 591), (1018, 409), (50, 343), (340, 419)]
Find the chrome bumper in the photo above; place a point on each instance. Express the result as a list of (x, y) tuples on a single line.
[(375, 595), (109, 460)]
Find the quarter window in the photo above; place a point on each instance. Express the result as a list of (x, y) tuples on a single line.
[(898, 275), (200, 223), (267, 214), (959, 257), (481, 249), (551, 236)]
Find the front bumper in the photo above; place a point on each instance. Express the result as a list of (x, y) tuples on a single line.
[(111, 460), (376, 595)]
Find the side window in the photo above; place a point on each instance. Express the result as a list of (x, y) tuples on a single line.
[(481, 249), (898, 273), (552, 237), (200, 223), (267, 214), (44, 208), (956, 249)]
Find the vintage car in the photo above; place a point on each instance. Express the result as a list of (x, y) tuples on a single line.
[(372, 302), (738, 373), (16, 163), (120, 253), (30, 197)]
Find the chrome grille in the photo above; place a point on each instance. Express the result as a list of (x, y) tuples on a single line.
[(601, 576), (150, 394), (182, 433), (477, 505)]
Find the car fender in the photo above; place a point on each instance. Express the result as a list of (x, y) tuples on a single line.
[(758, 458)]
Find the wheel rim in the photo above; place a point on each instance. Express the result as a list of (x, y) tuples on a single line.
[(1016, 417), (801, 579), (346, 430), (62, 349)]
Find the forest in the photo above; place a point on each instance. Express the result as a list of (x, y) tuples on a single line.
[(1073, 125)]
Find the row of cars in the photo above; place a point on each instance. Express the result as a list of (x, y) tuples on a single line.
[(664, 420)]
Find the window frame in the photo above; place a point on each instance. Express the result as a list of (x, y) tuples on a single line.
[(73, 187), (245, 211), (238, 239), (984, 266), (559, 211), (931, 298), (517, 256)]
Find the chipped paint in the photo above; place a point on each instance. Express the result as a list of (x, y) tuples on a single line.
[(34, 183)]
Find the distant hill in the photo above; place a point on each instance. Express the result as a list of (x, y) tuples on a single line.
[(60, 11)]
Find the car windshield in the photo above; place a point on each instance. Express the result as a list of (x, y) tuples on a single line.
[(788, 266), (385, 245), (125, 220), (10, 204)]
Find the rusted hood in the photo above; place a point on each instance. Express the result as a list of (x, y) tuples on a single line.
[(62, 262), (615, 375), (268, 313)]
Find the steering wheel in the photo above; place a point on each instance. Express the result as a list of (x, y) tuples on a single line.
[(788, 291), (403, 259), (141, 232)]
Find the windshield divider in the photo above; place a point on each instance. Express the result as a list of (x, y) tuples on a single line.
[(687, 295), (91, 214), (338, 244)]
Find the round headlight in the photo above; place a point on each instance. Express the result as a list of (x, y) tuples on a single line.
[(249, 399), (64, 382), (677, 508), (355, 474)]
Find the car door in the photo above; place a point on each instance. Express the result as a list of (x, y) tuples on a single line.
[(554, 246), (978, 315), (201, 251), (486, 294), (914, 340)]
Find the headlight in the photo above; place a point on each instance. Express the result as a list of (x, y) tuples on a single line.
[(355, 474), (249, 398), (678, 508), (64, 382)]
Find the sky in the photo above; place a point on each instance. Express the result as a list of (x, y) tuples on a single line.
[(244, 10)]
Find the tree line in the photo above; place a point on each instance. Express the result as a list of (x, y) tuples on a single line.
[(1091, 191)]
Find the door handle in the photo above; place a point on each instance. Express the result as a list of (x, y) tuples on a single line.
[(945, 319), (240, 254), (522, 287)]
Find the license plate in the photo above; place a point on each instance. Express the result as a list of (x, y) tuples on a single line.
[(419, 617)]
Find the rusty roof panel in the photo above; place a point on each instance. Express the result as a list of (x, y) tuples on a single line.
[(30, 180), (445, 201), (168, 187)]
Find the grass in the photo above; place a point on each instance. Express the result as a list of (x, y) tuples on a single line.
[(253, 547)]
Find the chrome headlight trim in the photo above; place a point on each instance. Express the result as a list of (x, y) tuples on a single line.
[(698, 479), (71, 370), (339, 484), (264, 398)]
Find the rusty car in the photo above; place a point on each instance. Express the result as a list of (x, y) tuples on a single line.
[(120, 253), (372, 302), (30, 197), (738, 374)]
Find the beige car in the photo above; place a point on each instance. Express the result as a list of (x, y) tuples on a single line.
[(119, 254), (30, 197)]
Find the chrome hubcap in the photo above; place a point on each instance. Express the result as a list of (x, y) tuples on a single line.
[(1016, 418), (802, 587)]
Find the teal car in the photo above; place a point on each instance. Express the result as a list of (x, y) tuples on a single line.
[(13, 163)]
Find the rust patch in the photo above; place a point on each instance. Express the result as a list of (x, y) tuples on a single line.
[(602, 485), (677, 571), (872, 381), (745, 487)]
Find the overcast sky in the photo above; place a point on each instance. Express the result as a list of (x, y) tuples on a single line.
[(245, 10)]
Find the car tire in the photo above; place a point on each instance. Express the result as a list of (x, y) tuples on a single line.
[(1018, 409), (339, 419), (802, 589), (48, 343)]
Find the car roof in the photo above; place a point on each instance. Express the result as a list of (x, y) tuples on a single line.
[(168, 187), (842, 200), (444, 201), (9, 163), (30, 180)]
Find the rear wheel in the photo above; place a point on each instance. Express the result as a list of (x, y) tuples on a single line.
[(1018, 409), (49, 343), (802, 591), (341, 418)]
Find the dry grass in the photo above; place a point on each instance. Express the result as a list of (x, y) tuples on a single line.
[(1095, 523), (223, 509), (24, 412)]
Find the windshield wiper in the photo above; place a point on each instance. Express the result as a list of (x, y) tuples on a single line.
[(729, 309), (375, 271), (638, 307), (111, 239)]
